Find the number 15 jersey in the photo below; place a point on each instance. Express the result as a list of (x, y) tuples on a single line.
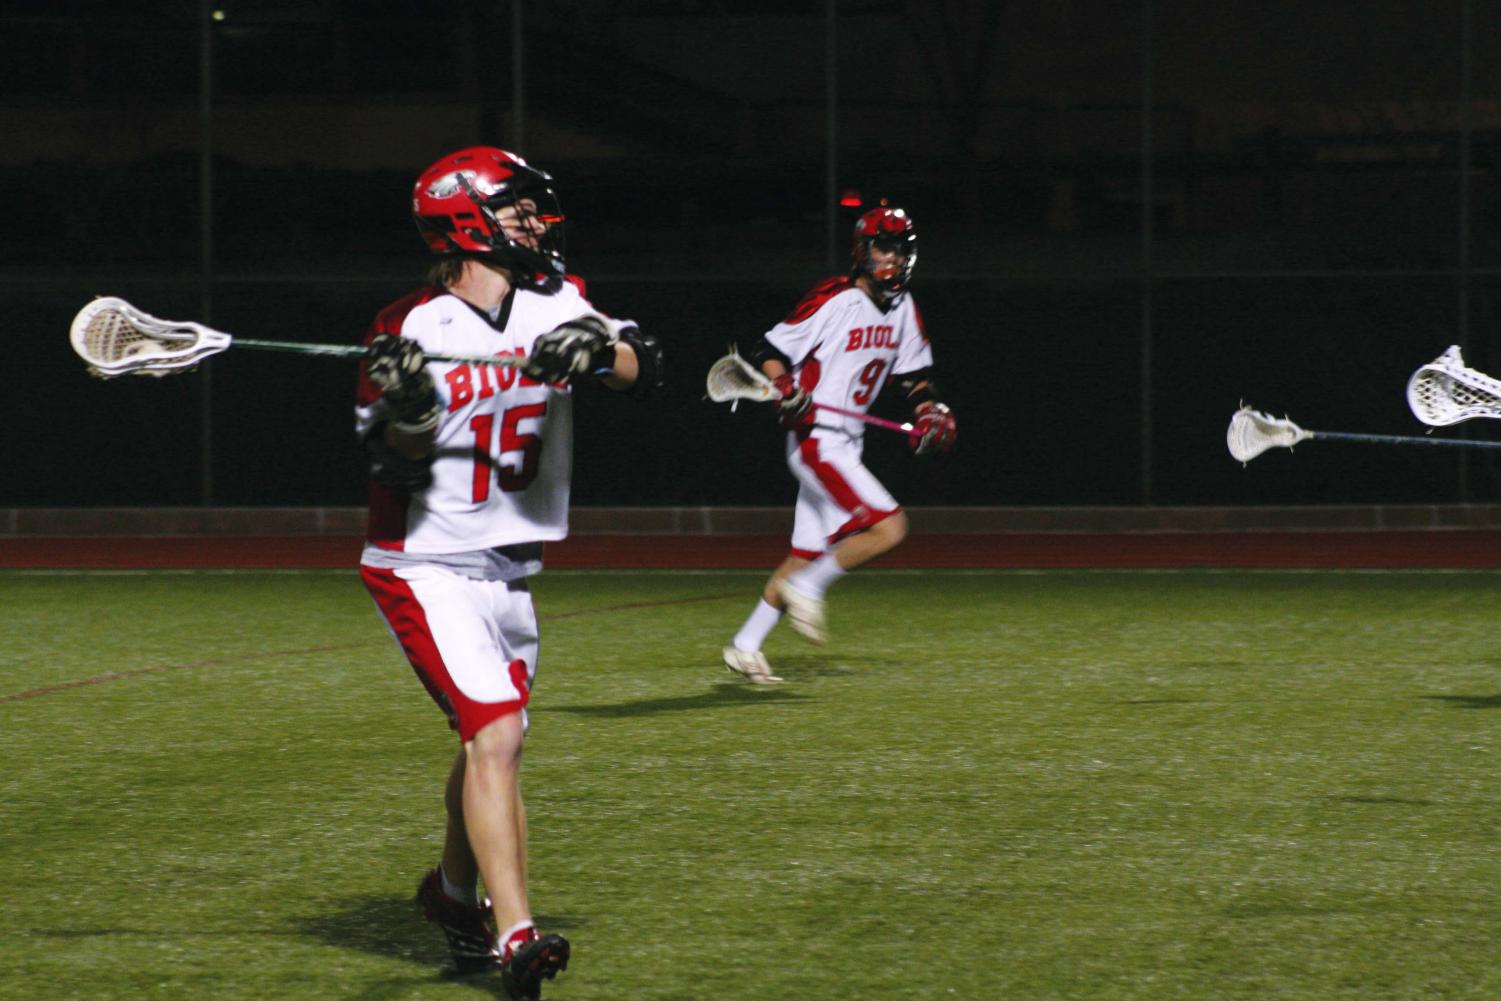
[(504, 446), (844, 348)]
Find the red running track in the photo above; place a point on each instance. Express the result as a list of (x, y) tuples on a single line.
[(1452, 549)]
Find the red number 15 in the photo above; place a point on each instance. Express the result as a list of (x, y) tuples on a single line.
[(511, 478)]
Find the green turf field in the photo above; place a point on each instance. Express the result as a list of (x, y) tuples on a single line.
[(1115, 785)]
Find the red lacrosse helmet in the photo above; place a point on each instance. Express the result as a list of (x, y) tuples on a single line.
[(893, 231), (456, 202)]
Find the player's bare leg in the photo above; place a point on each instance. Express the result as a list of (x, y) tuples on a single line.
[(494, 817), (771, 593), (520, 815), (877, 540), (449, 895), (496, 821), (459, 865), (801, 590)]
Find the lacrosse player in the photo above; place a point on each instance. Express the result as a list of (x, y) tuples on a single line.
[(847, 339), (470, 470)]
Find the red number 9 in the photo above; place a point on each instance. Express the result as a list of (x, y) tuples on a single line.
[(870, 381)]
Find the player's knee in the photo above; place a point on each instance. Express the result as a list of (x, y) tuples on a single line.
[(497, 744)]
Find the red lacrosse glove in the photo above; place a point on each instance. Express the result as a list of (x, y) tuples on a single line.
[(795, 410), (934, 430)]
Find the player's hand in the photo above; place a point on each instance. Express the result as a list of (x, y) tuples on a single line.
[(934, 430), (795, 408), (586, 344), (398, 366)]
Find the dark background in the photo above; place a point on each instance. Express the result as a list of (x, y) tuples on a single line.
[(1309, 211)]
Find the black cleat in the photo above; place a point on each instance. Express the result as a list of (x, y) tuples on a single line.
[(471, 937), (540, 959)]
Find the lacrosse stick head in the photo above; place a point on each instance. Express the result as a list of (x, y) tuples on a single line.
[(732, 378), (114, 338), (1446, 391), (1252, 432)]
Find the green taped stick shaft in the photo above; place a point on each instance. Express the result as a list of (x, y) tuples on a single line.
[(356, 351)]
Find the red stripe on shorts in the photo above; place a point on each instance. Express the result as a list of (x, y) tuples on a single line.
[(394, 597), (862, 515)]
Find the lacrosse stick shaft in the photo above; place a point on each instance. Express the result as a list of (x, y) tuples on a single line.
[(879, 422), (356, 351), (1398, 439)]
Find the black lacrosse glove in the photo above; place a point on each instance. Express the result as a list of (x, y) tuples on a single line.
[(934, 430), (398, 366), (572, 349)]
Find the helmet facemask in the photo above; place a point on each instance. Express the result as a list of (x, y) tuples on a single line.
[(525, 224), (891, 277), (891, 232)]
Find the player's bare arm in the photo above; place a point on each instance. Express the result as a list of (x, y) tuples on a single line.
[(773, 369), (795, 407)]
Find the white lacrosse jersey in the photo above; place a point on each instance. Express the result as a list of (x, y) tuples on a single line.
[(504, 442), (844, 348)]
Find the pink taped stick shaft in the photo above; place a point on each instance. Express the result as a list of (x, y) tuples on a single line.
[(879, 422)]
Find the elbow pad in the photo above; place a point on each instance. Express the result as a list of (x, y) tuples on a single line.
[(918, 387), (648, 360), (766, 351), (390, 468)]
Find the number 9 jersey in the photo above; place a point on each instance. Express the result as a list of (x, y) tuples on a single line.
[(504, 445), (844, 348)]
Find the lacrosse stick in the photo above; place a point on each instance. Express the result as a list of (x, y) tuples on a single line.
[(1445, 391), (1252, 432), (732, 379), (115, 338)]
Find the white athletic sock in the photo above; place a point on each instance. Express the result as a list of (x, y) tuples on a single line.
[(464, 895), (762, 620), (815, 578), (516, 936)]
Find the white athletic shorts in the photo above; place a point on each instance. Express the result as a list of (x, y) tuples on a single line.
[(473, 643), (837, 496)]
